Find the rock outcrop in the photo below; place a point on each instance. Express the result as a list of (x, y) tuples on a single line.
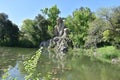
[(61, 41)]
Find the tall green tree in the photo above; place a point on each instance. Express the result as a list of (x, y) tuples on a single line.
[(51, 14), (42, 27), (111, 16), (95, 33), (9, 32), (26, 34), (35, 30), (78, 23), (105, 29)]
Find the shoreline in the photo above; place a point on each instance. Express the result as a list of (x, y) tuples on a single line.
[(108, 54)]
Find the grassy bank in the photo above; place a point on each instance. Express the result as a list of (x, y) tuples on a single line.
[(108, 54), (105, 54)]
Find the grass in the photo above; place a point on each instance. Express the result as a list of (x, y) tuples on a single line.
[(104, 54), (108, 53)]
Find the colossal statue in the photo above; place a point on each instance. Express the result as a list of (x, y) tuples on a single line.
[(61, 41), (58, 31)]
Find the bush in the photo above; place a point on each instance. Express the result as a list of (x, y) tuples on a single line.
[(26, 43), (109, 52), (110, 56)]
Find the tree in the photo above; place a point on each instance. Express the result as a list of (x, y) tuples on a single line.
[(95, 33), (51, 14), (35, 30), (26, 34), (78, 23), (9, 32), (112, 17), (105, 29), (115, 24), (42, 26), (3, 20)]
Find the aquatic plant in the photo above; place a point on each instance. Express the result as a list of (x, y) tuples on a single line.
[(31, 65)]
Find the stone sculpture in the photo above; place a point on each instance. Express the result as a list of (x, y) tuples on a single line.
[(58, 31), (61, 41)]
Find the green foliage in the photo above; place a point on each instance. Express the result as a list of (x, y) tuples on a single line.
[(106, 35), (26, 43), (42, 27), (39, 29), (9, 32), (104, 54), (95, 33), (86, 29), (31, 65), (51, 14), (35, 30), (79, 23), (105, 29), (110, 56), (109, 52), (111, 17), (27, 32)]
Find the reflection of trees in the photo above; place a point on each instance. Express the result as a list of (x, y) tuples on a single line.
[(13, 73), (50, 65), (1, 72)]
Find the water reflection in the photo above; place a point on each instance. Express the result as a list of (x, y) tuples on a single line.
[(59, 59), (60, 66), (8, 60), (14, 73)]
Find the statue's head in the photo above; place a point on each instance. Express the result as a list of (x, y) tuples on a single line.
[(59, 20)]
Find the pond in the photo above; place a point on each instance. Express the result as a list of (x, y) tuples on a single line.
[(58, 67)]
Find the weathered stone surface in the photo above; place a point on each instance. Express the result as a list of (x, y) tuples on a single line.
[(61, 42), (58, 31), (44, 43)]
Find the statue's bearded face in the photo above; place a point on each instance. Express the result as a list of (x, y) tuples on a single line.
[(59, 20)]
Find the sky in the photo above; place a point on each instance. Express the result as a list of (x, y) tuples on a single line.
[(19, 10)]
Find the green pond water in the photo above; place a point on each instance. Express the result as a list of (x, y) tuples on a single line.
[(59, 67)]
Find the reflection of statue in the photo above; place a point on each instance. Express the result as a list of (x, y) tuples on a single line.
[(59, 27)]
